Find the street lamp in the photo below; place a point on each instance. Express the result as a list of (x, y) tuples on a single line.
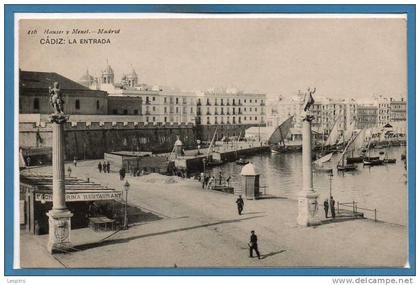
[(126, 187), (204, 165), (198, 147), (331, 177)]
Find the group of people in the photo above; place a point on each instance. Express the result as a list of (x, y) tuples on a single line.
[(329, 206), (208, 181), (105, 167)]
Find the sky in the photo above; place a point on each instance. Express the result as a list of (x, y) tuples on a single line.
[(342, 58)]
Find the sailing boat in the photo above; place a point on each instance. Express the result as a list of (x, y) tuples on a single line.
[(386, 158), (318, 164), (211, 162), (357, 146), (276, 140), (343, 165), (371, 160), (331, 141)]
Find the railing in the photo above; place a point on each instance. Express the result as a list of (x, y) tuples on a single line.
[(353, 206)]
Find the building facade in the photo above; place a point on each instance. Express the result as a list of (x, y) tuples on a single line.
[(34, 95), (367, 116)]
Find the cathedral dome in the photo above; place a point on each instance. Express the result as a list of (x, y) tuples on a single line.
[(132, 75)]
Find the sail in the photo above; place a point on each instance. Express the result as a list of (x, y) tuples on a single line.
[(349, 132), (334, 134), (360, 141), (341, 160), (323, 159), (281, 132)]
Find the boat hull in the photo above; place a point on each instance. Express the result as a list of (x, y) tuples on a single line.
[(348, 167)]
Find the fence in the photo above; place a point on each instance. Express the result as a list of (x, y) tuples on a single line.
[(354, 207)]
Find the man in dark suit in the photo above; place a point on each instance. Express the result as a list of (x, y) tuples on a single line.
[(253, 245), (332, 207), (240, 204)]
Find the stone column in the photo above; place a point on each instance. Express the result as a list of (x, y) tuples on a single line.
[(308, 198), (59, 215)]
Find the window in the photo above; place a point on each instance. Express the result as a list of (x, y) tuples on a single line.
[(165, 119), (154, 119), (97, 105), (147, 119), (77, 103), (125, 112), (244, 100), (36, 103), (114, 111), (176, 110), (136, 112), (165, 110), (256, 118), (176, 100), (164, 100), (154, 98), (154, 108)]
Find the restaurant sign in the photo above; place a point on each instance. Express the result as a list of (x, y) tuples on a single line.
[(48, 197)]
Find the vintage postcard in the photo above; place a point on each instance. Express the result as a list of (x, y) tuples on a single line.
[(211, 141)]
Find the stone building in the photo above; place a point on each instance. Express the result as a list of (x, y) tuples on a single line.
[(34, 95), (398, 110), (230, 107), (367, 116)]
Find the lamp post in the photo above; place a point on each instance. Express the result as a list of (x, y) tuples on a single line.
[(204, 165), (198, 147), (126, 187), (331, 176)]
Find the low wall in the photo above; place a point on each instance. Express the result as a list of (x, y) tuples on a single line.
[(92, 140)]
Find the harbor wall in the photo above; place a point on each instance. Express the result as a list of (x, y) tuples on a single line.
[(90, 140)]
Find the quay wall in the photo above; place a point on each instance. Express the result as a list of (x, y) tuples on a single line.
[(90, 140)]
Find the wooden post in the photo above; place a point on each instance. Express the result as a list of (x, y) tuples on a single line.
[(375, 215), (338, 207)]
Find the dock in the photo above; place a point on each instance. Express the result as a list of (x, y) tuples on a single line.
[(220, 153)]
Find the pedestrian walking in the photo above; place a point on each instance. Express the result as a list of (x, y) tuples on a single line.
[(326, 207), (108, 167), (332, 206), (253, 245), (100, 167), (104, 166), (210, 182), (240, 204), (75, 162), (220, 178), (122, 173), (227, 181)]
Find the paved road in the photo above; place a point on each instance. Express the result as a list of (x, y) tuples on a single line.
[(202, 229)]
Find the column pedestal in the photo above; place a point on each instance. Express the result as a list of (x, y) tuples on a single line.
[(308, 209), (59, 231)]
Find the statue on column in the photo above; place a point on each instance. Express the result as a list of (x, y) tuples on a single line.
[(56, 99), (57, 102), (308, 102)]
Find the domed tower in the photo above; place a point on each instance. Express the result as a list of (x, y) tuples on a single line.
[(87, 79), (107, 75), (132, 78)]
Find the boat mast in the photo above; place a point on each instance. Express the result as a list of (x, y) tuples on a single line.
[(211, 143)]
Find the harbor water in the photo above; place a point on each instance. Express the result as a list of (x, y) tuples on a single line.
[(381, 187)]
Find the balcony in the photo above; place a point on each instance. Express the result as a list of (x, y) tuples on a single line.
[(208, 113), (262, 104), (147, 102), (147, 113), (208, 104)]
